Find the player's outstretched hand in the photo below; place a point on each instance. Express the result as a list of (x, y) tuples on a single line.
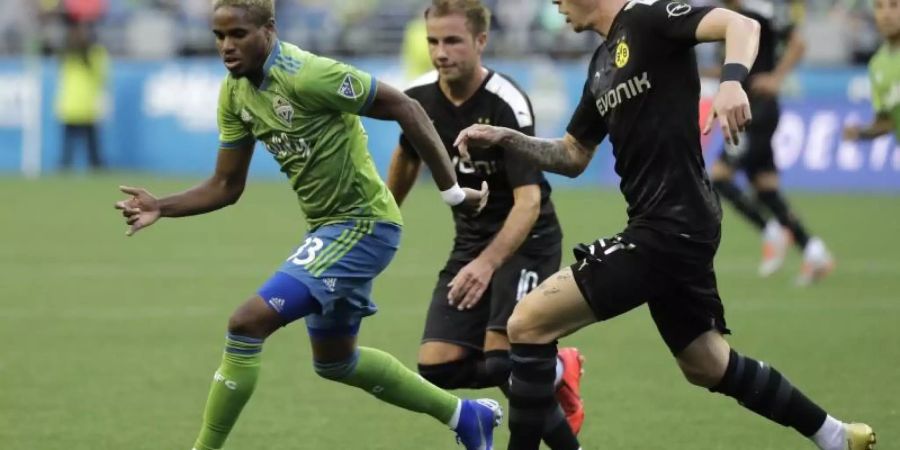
[(475, 200), (469, 284), (732, 108), (140, 211), (852, 133), (478, 136)]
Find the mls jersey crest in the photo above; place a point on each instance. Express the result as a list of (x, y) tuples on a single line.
[(283, 109)]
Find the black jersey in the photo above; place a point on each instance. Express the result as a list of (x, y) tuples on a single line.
[(501, 103), (643, 89), (777, 20)]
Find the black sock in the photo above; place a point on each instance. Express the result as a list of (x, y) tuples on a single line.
[(533, 409), (760, 388), (559, 436), (498, 366), (780, 209), (469, 373), (744, 205)]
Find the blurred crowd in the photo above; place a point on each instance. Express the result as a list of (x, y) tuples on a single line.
[(167, 28)]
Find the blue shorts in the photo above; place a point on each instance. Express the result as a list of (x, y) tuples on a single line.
[(337, 263)]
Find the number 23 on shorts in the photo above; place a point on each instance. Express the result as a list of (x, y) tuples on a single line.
[(310, 247)]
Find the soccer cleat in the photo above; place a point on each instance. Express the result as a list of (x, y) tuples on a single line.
[(569, 391), (817, 263), (775, 244), (859, 436), (477, 420)]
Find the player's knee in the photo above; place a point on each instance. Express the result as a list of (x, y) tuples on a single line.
[(498, 367), (707, 373), (338, 370), (526, 327), (446, 375), (253, 319)]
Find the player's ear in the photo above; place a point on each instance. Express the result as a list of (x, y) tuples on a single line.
[(270, 28), (481, 40)]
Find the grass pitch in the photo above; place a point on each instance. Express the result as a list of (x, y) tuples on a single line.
[(111, 342)]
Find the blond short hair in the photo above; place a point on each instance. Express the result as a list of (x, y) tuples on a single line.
[(478, 16), (262, 10)]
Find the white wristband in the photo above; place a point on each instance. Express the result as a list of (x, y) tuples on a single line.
[(454, 195)]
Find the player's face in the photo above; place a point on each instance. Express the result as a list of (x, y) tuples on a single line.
[(242, 43), (887, 17), (455, 52), (579, 13)]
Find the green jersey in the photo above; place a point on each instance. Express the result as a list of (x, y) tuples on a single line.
[(306, 112), (884, 71)]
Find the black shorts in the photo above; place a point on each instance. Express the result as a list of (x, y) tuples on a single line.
[(672, 274), (517, 277), (754, 153)]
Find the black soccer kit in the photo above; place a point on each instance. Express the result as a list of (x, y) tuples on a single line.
[(498, 102), (754, 153), (643, 90)]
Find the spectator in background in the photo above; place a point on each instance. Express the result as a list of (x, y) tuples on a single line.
[(515, 18), (884, 72), (82, 76), (416, 59), (85, 10)]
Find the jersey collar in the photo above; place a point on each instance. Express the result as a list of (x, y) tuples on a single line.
[(270, 61)]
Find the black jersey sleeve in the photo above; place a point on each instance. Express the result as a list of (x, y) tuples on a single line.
[(519, 171), (672, 21), (587, 125)]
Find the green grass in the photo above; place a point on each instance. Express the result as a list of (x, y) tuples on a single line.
[(110, 342)]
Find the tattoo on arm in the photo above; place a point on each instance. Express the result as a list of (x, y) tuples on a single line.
[(552, 155)]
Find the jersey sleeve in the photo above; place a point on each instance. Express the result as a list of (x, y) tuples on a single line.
[(672, 21), (587, 125), (519, 171), (233, 132), (326, 84)]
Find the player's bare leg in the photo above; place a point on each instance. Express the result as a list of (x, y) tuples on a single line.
[(711, 363), (553, 310)]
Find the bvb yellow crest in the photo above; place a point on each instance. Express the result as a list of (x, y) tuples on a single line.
[(622, 54)]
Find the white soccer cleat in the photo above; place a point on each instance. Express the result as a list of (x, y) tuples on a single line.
[(817, 263), (775, 244)]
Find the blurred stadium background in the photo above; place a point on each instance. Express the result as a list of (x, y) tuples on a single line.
[(110, 344)]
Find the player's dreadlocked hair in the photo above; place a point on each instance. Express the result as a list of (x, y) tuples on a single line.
[(261, 10), (478, 16)]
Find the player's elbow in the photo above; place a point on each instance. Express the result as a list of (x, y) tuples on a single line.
[(574, 170), (749, 27)]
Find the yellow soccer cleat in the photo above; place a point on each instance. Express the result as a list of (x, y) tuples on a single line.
[(859, 436)]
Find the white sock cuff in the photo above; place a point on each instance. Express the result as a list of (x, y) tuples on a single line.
[(454, 420), (831, 435)]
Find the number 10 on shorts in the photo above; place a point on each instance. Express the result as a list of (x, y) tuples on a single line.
[(310, 247)]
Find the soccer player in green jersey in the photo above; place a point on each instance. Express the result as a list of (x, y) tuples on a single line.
[(305, 109), (884, 71)]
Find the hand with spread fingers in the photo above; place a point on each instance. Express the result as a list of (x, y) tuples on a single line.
[(140, 211), (732, 107), (469, 284), (480, 136), (475, 200)]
